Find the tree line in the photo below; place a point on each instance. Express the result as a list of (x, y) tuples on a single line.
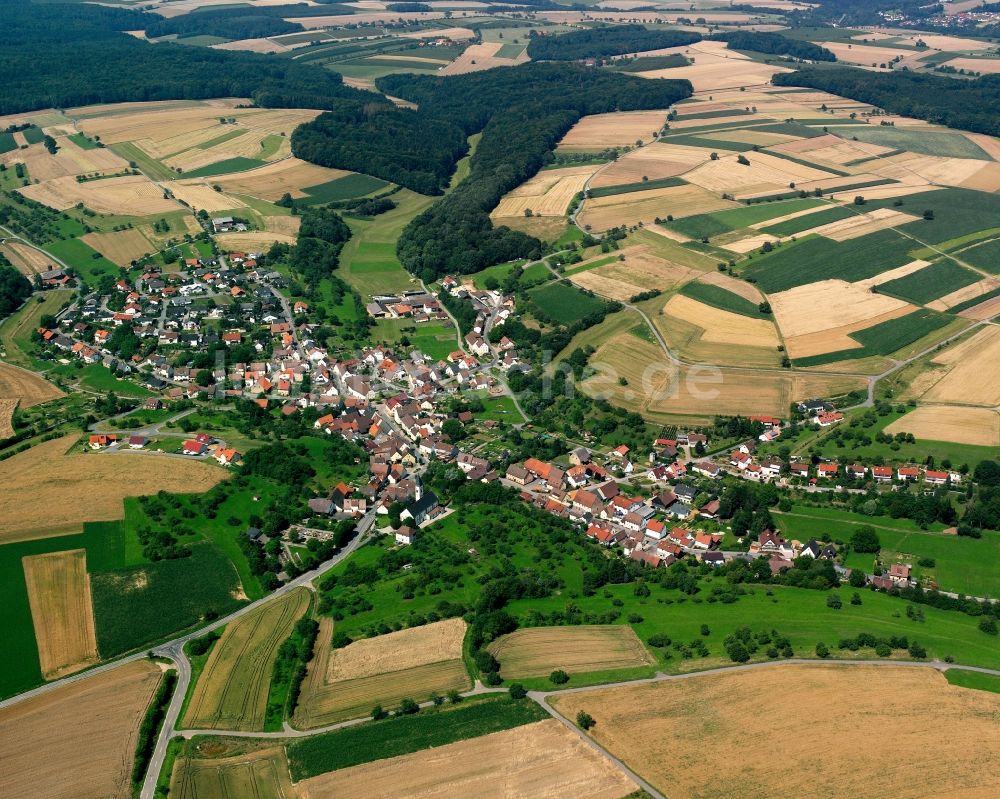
[(605, 42), (56, 55), (774, 44), (15, 288), (972, 105)]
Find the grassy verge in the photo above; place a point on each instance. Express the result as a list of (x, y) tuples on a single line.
[(973, 679), (586, 678)]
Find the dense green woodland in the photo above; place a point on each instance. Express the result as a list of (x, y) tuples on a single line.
[(604, 42), (522, 113), (774, 44), (965, 104), (60, 55), (15, 288)]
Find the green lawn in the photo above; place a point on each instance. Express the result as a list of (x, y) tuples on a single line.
[(16, 329), (974, 680), (500, 409), (86, 259), (565, 304), (99, 377), (434, 339), (83, 142)]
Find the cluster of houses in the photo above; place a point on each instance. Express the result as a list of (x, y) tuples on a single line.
[(199, 446)]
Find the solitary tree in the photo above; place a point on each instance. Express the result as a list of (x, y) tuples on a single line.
[(584, 720)]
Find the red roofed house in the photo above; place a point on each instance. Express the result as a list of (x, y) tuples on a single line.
[(827, 469), (907, 472), (102, 440), (882, 474), (193, 447), (935, 478)]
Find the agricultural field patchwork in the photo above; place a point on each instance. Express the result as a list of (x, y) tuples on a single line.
[(261, 773), (231, 693), (413, 663)]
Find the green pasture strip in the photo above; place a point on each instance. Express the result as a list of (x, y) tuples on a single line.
[(812, 165), (627, 188), (930, 283), (792, 226), (237, 164), (721, 298)]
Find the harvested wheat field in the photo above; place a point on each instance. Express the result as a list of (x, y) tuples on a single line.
[(861, 225), (641, 271), (76, 741), (538, 651), (252, 240), (988, 66), (131, 195), (543, 760), (722, 74), (270, 182), (655, 161), (622, 129), (764, 172), (199, 195), (7, 408), (934, 728), (122, 247), (26, 387), (747, 291), (546, 228), (984, 310), (61, 610), (971, 371), (548, 193), (699, 332), (863, 54), (231, 693), (413, 663), (602, 213), (26, 259), (55, 492), (946, 423), (260, 774)]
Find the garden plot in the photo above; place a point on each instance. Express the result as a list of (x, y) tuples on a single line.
[(934, 728), (622, 129), (602, 213), (548, 193), (978, 426), (131, 195)]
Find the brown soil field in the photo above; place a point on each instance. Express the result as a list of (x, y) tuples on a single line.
[(62, 611), (602, 213), (260, 774), (986, 143), (934, 726), (946, 423), (252, 241), (985, 310), (964, 294), (477, 57), (231, 693), (548, 193), (27, 260), (132, 195), (405, 649), (622, 129), (827, 305), (700, 333), (56, 493), (122, 247), (25, 386), (76, 741), (986, 179), (640, 271), (654, 161), (199, 195), (543, 760), (272, 181), (324, 701), (538, 651), (972, 376)]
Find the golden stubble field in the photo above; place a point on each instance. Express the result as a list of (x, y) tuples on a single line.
[(260, 774), (860, 731), (602, 213), (77, 741), (231, 693), (640, 270), (130, 195), (19, 387), (412, 663), (271, 181), (951, 423), (622, 129), (27, 260), (548, 193), (55, 492), (62, 611), (700, 332), (968, 372), (537, 651), (543, 760)]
